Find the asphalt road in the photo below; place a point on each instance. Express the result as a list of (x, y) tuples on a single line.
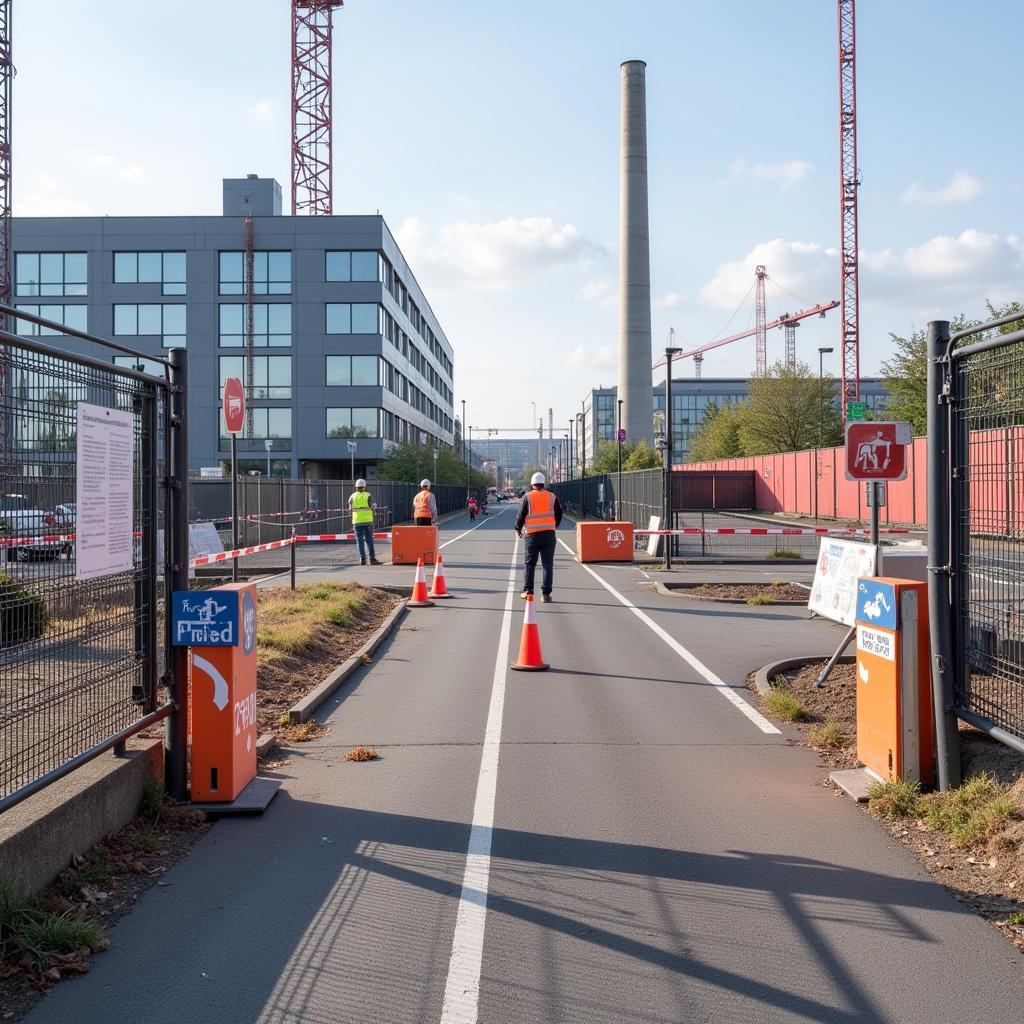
[(619, 839)]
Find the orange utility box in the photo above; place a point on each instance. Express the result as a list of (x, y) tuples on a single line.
[(604, 542), (222, 687), (411, 543), (895, 718)]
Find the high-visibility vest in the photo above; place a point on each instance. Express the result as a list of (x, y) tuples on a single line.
[(542, 511), (421, 505), (361, 511)]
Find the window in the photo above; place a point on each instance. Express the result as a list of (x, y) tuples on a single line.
[(272, 325), (166, 320), (353, 318), (271, 273), (353, 371), (353, 422), (51, 273), (70, 316), (150, 366), (275, 424), (353, 266), (271, 375), (163, 268)]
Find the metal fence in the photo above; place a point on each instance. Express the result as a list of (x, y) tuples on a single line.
[(81, 659), (976, 536)]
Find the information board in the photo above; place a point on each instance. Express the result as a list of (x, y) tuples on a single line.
[(834, 590), (104, 491)]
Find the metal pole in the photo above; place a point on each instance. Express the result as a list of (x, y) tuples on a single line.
[(618, 481), (463, 430), (583, 463), (269, 449), (150, 576), (668, 455), (293, 546), (234, 506), (940, 557), (176, 572)]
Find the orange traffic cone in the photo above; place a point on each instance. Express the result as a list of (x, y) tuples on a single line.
[(439, 588), (530, 659), (420, 598)]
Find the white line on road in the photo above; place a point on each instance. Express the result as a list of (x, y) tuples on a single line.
[(723, 688), (470, 530), (462, 989)]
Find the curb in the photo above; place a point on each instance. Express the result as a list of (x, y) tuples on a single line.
[(303, 710), (266, 743), (763, 675), (687, 593)]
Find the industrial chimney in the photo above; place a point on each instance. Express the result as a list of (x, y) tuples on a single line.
[(635, 261)]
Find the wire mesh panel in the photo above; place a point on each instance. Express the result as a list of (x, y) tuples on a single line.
[(988, 524), (78, 657)]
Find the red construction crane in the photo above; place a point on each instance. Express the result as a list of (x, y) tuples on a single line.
[(760, 319), (312, 178), (849, 183)]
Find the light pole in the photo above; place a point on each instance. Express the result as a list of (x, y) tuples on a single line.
[(463, 431), (434, 478), (669, 353), (469, 460), (268, 444), (821, 420), (583, 459), (352, 458), (618, 441), (572, 456)]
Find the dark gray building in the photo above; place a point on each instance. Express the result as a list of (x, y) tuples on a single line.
[(346, 347), (690, 397)]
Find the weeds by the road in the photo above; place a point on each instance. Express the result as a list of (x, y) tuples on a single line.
[(780, 703), (292, 623), (828, 734), (783, 553), (760, 599)]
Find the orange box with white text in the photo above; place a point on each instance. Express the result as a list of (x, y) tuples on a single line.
[(604, 542)]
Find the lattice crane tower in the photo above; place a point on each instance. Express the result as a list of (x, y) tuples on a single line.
[(849, 183)]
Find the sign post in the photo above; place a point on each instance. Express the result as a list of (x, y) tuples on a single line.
[(234, 419)]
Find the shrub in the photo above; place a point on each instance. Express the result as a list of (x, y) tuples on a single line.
[(828, 734), (783, 553), (780, 703), (24, 616), (898, 798)]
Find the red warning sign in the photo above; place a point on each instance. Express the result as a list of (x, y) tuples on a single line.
[(876, 451), (234, 406)]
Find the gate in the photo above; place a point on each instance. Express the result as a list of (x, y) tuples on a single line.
[(976, 530), (84, 657)]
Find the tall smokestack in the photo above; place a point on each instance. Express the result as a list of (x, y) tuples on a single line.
[(635, 260)]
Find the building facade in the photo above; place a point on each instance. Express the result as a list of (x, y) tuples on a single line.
[(690, 398), (346, 348)]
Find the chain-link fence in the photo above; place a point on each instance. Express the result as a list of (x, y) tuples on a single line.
[(81, 650)]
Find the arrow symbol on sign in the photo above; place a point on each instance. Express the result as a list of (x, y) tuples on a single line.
[(220, 684)]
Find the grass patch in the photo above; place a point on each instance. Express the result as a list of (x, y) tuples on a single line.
[(828, 734), (291, 623), (362, 753), (781, 704), (1017, 920), (783, 553), (979, 809), (760, 599), (897, 798)]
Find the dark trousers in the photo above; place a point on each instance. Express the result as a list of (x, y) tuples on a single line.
[(424, 521), (364, 536), (540, 545)]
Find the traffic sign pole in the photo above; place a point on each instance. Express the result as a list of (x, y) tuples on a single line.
[(233, 403), (234, 506)]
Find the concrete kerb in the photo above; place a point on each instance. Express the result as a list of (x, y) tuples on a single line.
[(763, 676), (688, 591), (304, 709)]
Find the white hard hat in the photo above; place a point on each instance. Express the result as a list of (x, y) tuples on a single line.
[(360, 483), (537, 478), (424, 483)]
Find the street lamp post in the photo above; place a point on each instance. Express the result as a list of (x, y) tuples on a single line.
[(468, 462), (572, 454), (618, 441), (269, 445), (669, 353), (821, 419), (434, 478), (352, 457), (463, 430), (583, 459)]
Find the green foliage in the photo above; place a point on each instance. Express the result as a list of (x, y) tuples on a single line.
[(969, 813), (24, 616), (413, 462), (781, 704), (898, 798), (828, 734), (759, 599), (783, 553), (641, 456), (719, 435)]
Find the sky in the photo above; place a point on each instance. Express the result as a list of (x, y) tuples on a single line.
[(487, 134)]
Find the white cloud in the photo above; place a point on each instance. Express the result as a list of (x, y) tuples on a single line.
[(111, 165), (264, 111), (785, 174), (493, 255), (671, 301), (600, 357), (599, 290), (959, 189)]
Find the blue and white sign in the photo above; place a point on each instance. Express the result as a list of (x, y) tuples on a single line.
[(876, 603), (207, 619), (248, 622)]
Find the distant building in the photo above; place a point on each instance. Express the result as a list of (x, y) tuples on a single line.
[(690, 397)]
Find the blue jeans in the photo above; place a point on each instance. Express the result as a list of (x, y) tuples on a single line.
[(364, 536), (540, 545)]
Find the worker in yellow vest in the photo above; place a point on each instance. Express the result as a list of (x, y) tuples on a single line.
[(362, 506), (424, 506), (539, 516)]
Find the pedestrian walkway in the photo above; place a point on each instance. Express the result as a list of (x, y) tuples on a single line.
[(620, 838)]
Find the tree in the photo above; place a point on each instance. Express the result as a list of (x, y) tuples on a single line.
[(634, 456), (641, 456), (413, 462), (719, 435), (788, 410)]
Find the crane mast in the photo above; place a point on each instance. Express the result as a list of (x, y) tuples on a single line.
[(761, 319), (848, 187)]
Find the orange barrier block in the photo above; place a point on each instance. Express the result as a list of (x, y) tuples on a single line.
[(604, 542), (222, 705), (411, 543)]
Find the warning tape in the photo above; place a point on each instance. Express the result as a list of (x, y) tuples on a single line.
[(255, 549), (10, 542), (761, 531), (314, 537)]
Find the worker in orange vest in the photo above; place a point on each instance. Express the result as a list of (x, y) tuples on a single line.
[(539, 516), (424, 506)]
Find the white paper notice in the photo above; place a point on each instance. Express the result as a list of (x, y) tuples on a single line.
[(104, 491), (834, 591)]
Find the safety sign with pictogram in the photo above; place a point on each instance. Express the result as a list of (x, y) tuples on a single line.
[(876, 450)]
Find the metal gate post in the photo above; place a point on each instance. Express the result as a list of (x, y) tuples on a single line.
[(940, 556), (150, 468), (176, 574)]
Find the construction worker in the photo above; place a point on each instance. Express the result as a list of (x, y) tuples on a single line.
[(362, 506), (474, 506), (539, 515), (424, 506)]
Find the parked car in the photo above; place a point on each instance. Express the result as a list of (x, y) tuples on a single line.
[(26, 527), (64, 517)]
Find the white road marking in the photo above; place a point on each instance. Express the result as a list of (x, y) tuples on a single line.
[(462, 989), (441, 547), (723, 688)]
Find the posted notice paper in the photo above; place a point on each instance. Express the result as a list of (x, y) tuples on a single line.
[(104, 490)]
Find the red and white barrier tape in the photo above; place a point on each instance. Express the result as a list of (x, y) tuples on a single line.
[(761, 531), (314, 537), (223, 556)]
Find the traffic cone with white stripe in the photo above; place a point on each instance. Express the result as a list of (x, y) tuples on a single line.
[(420, 598), (439, 588), (530, 658)]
